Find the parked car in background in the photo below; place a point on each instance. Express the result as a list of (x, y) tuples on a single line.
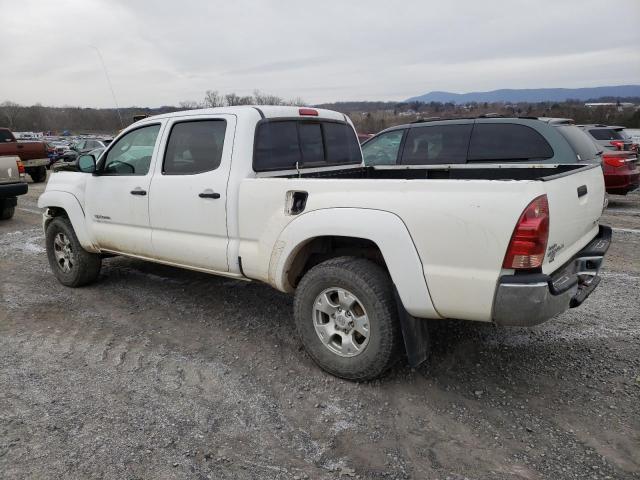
[(363, 137), (87, 144), (481, 140), (83, 146), (33, 154), (634, 135), (12, 185), (72, 166), (621, 172), (608, 137)]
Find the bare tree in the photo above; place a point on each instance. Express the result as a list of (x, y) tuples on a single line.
[(295, 102), (212, 99), (189, 105), (262, 98), (10, 111)]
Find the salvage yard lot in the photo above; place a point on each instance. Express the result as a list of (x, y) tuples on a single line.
[(155, 372)]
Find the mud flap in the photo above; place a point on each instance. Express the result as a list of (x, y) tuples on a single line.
[(415, 334)]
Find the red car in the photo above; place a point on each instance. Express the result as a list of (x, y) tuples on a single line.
[(363, 137), (621, 172)]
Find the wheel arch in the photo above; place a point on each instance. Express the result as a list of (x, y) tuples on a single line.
[(66, 204), (375, 234)]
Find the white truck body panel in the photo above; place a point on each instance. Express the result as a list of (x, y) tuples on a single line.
[(443, 241)]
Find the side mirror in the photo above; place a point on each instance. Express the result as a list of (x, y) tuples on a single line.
[(87, 163)]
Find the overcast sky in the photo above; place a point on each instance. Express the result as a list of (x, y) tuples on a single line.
[(160, 52)]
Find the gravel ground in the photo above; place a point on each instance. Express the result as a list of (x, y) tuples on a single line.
[(155, 372)]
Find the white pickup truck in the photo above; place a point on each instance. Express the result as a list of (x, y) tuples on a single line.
[(280, 195)]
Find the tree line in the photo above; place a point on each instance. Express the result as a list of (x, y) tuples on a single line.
[(78, 120), (368, 117)]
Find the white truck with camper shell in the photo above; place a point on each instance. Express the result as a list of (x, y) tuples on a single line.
[(280, 195)]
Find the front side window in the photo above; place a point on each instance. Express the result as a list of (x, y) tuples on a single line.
[(383, 149), (194, 147), (437, 144), (507, 142), (131, 154)]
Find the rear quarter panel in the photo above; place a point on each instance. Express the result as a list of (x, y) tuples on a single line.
[(460, 229)]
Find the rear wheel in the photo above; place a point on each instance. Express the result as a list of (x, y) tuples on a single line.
[(346, 316), (38, 174), (6, 210), (72, 265)]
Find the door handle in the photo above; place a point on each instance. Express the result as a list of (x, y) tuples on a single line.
[(582, 191), (207, 194), (138, 191)]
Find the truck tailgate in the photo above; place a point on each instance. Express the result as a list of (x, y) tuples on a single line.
[(576, 201), (9, 169)]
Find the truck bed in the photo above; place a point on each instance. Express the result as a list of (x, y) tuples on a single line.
[(460, 218)]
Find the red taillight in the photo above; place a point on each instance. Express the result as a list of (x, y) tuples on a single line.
[(619, 144), (529, 240), (20, 167), (615, 159), (308, 111)]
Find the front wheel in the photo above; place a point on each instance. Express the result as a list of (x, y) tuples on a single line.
[(347, 318), (72, 265)]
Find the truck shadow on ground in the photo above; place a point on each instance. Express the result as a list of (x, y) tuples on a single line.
[(461, 351)]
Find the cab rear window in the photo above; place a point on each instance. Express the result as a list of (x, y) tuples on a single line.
[(283, 144)]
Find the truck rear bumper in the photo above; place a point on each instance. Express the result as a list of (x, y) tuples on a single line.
[(13, 189), (530, 299), (36, 162)]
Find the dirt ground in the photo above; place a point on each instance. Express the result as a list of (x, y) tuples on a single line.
[(155, 372)]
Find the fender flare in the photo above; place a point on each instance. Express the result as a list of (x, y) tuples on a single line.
[(70, 204), (383, 228)]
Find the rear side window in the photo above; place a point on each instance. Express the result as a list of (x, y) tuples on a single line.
[(605, 134), (437, 144), (507, 141), (194, 147), (281, 144), (580, 142)]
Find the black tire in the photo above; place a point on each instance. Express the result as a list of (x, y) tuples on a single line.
[(38, 174), (85, 266), (373, 288), (6, 210)]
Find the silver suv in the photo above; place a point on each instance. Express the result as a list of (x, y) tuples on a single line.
[(608, 137)]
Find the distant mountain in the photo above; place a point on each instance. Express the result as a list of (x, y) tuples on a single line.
[(532, 95)]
